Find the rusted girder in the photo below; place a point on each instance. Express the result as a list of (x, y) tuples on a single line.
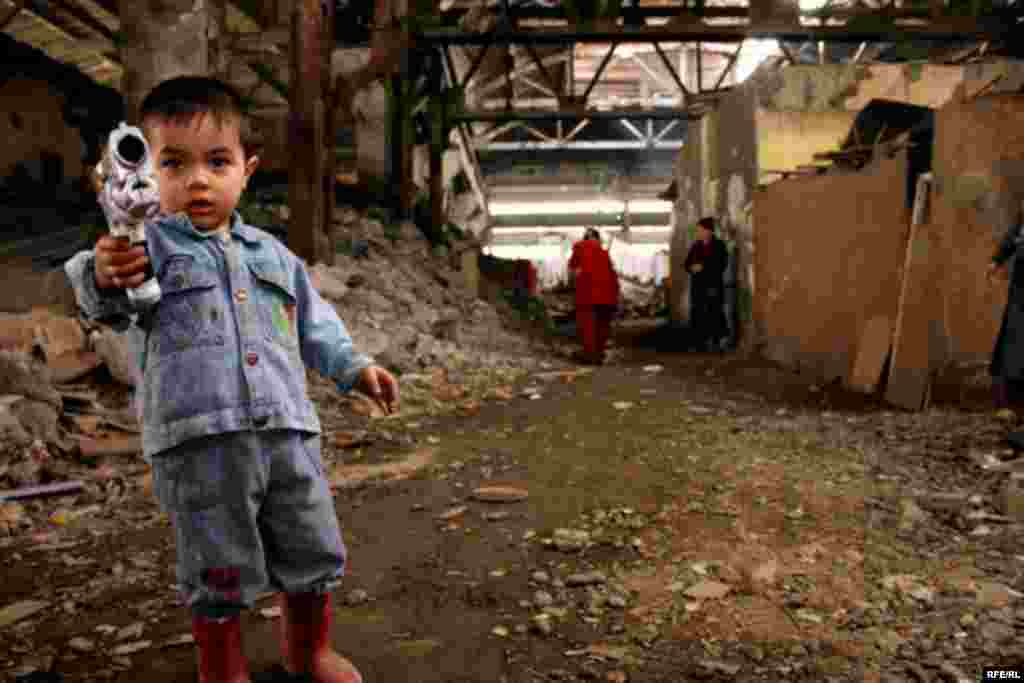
[(951, 30), (574, 115)]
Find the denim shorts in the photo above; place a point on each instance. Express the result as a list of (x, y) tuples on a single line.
[(251, 511)]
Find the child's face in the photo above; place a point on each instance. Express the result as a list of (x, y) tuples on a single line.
[(201, 167)]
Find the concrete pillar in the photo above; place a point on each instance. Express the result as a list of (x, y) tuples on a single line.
[(168, 38)]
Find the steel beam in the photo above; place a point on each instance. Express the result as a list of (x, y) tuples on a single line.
[(470, 162), (633, 129), (672, 71), (541, 13), (576, 130), (539, 87), (600, 70), (952, 30), (609, 145), (730, 65), (494, 132), (569, 114), (545, 74), (661, 134)]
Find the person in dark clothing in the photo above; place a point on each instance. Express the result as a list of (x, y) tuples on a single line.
[(1007, 366), (706, 263)]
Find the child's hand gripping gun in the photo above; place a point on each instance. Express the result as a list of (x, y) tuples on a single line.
[(130, 196)]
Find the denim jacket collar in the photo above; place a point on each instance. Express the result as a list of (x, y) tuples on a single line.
[(180, 223)]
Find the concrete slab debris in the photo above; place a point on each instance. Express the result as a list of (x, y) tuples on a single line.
[(875, 342)]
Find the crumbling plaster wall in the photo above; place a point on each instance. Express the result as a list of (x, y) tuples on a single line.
[(979, 171), (32, 125), (789, 139), (716, 174), (829, 253)]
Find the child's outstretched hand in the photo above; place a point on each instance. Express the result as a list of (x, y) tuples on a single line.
[(381, 386)]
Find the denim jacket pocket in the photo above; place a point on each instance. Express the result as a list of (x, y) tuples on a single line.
[(190, 314), (277, 304)]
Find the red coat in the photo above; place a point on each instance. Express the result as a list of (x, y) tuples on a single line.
[(596, 281)]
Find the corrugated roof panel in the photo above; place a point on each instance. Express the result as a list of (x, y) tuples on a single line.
[(59, 45)]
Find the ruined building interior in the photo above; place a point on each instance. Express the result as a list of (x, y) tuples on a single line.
[(433, 163)]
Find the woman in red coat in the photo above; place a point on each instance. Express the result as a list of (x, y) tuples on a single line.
[(597, 295)]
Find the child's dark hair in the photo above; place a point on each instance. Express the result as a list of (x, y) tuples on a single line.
[(181, 98), (708, 223)]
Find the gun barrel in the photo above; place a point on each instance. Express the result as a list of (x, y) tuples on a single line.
[(128, 148)]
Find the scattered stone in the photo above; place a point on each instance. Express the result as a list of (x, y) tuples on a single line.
[(994, 632), (1011, 497), (115, 349), (569, 540), (911, 515), (132, 632), (500, 494), (541, 623), (543, 599), (540, 576), (715, 667), (81, 645), (761, 575), (12, 517), (176, 641), (708, 590), (20, 610), (497, 515), (993, 595), (500, 631), (586, 579), (453, 513), (131, 648), (356, 597)]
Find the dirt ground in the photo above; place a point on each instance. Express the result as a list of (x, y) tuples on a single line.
[(689, 517)]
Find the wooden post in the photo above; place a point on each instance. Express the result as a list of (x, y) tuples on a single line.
[(437, 144), (306, 131), (330, 144)]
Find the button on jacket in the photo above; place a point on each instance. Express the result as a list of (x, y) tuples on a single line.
[(227, 346)]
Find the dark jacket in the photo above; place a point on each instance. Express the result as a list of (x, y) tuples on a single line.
[(715, 258), (1008, 354)]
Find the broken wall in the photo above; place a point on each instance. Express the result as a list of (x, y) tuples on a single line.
[(830, 249), (789, 139), (979, 171), (689, 207), (35, 133), (716, 173)]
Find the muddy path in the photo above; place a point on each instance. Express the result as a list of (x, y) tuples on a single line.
[(688, 517)]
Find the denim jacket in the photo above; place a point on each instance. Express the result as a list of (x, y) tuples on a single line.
[(227, 346)]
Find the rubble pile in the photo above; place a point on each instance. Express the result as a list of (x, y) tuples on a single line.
[(56, 425), (407, 305), (68, 431)]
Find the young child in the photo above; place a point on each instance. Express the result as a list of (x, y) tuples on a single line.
[(227, 424)]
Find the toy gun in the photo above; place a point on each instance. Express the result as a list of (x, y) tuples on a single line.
[(129, 197)]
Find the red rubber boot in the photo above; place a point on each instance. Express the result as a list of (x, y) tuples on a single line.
[(220, 650), (305, 627)]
